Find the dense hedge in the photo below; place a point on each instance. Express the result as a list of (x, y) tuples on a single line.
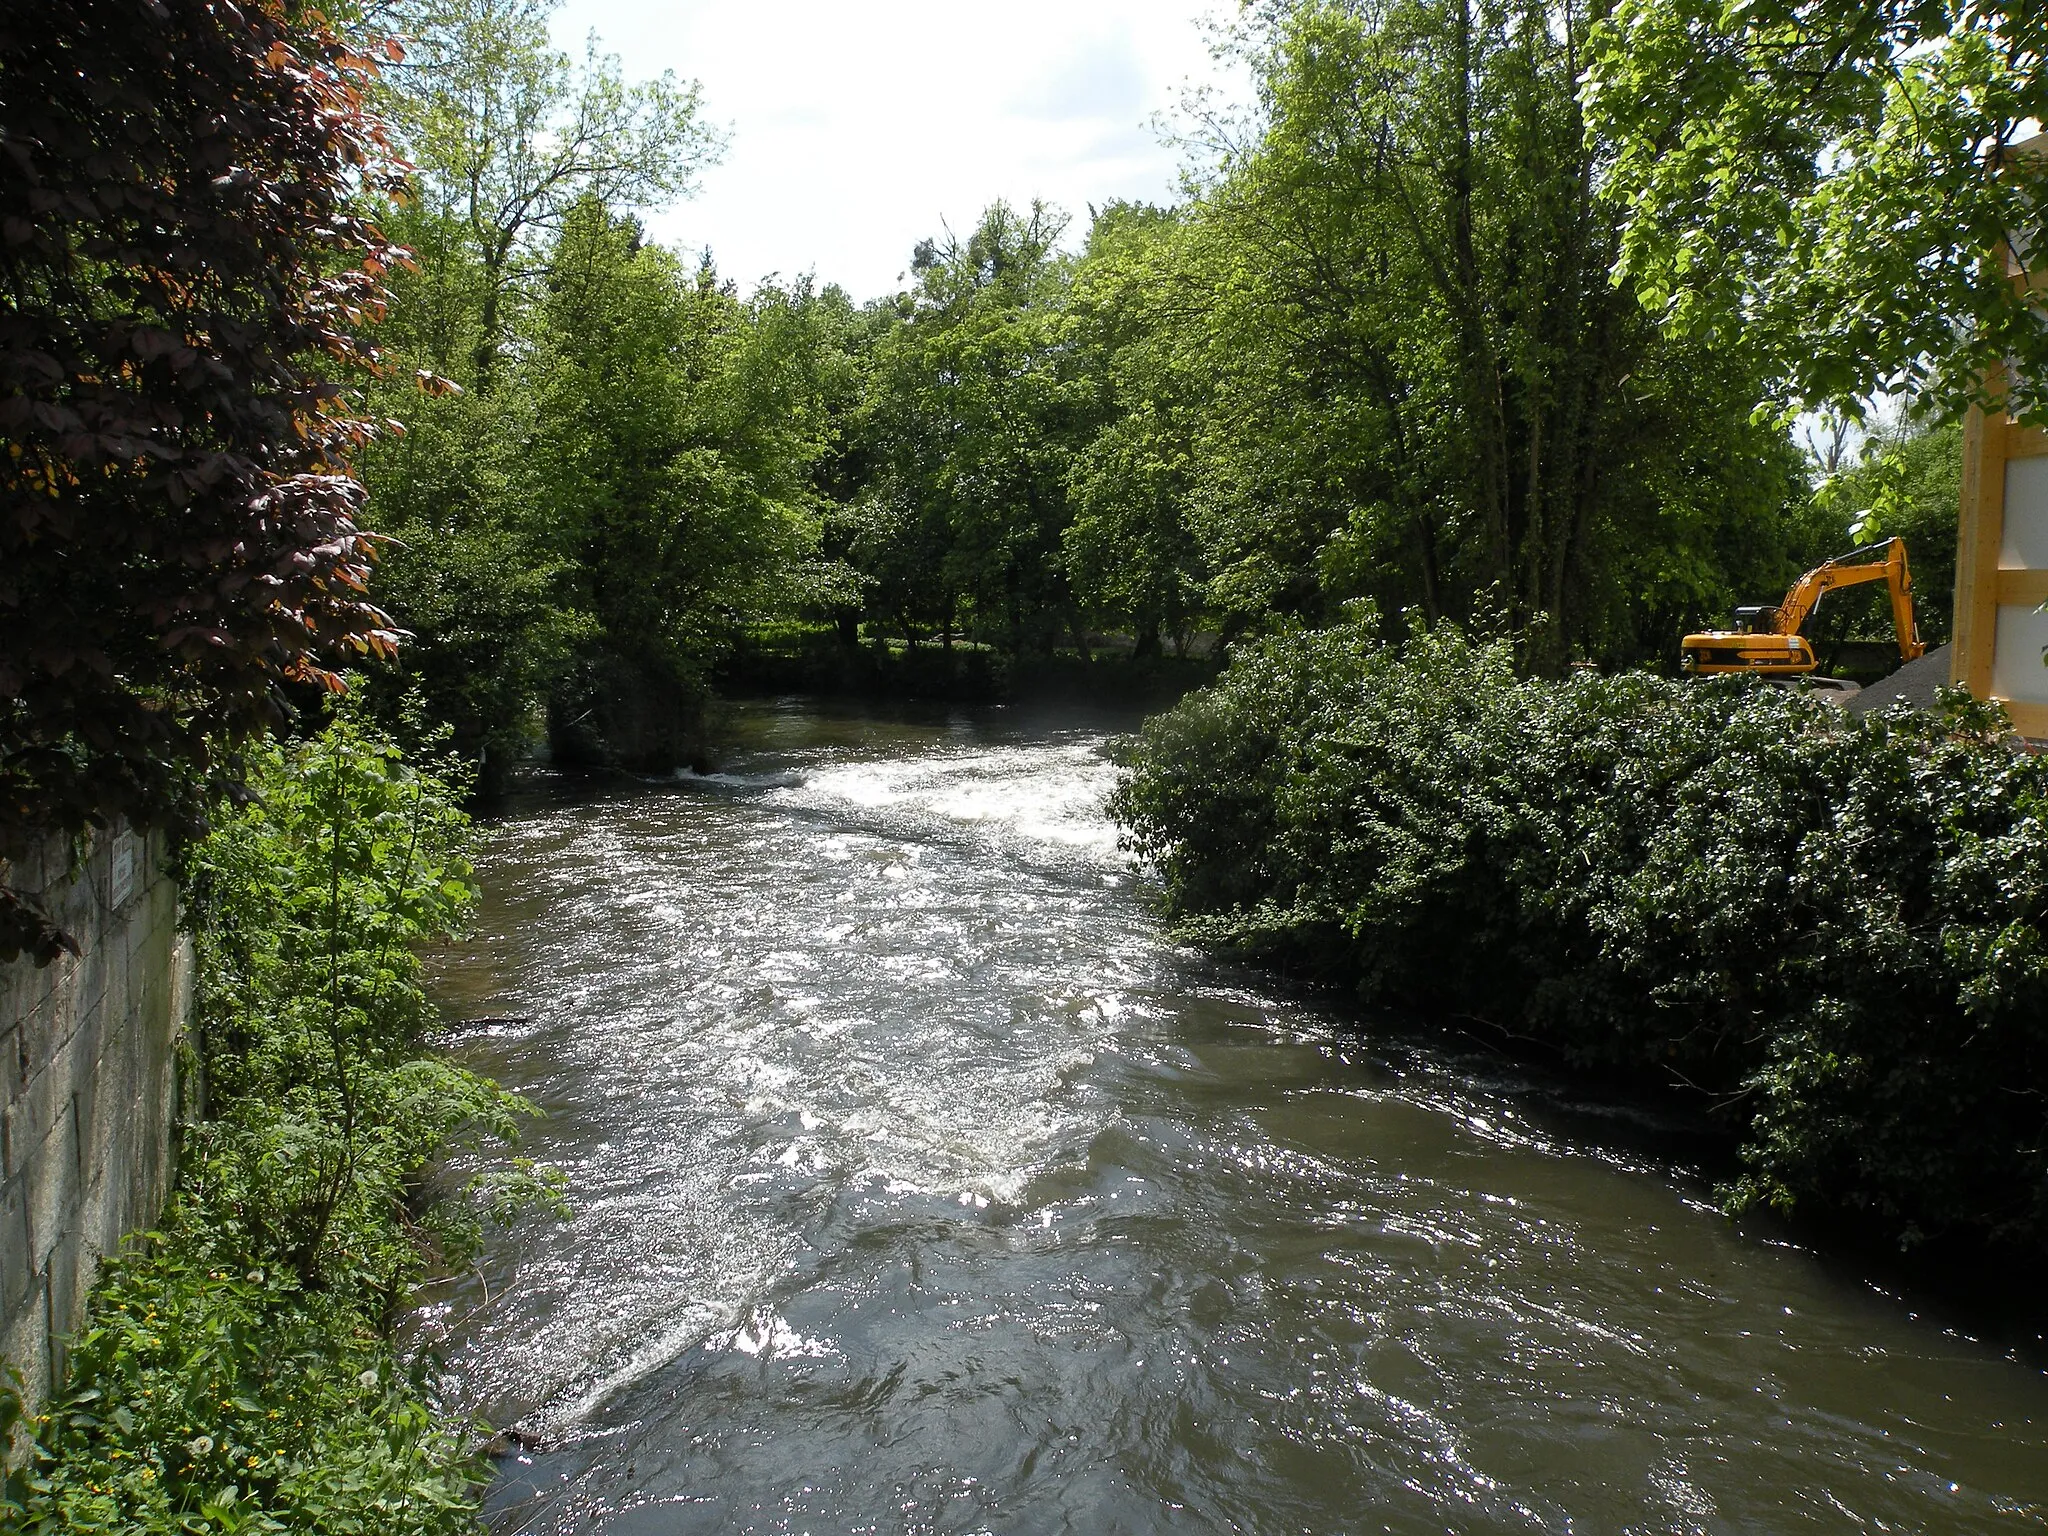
[(1832, 925), (235, 1372)]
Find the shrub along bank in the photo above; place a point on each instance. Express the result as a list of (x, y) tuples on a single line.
[(1830, 925), (235, 1371)]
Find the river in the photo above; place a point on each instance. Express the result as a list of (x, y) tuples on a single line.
[(920, 1185)]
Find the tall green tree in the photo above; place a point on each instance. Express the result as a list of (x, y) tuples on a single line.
[(509, 133), (621, 470), (1131, 551), (978, 401), (1434, 394), (675, 435), (474, 570)]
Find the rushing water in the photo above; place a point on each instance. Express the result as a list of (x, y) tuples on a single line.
[(920, 1186)]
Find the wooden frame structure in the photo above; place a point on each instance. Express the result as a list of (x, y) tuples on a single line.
[(2002, 569), (2002, 551)]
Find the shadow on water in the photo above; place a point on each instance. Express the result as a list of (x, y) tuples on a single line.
[(920, 1186)]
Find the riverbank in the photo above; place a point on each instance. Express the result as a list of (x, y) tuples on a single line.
[(235, 1370), (819, 661), (1826, 928)]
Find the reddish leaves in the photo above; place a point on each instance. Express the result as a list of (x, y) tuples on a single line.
[(183, 276)]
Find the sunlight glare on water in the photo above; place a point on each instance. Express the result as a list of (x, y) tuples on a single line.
[(921, 1186)]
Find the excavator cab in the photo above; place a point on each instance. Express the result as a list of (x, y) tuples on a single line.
[(1768, 641)]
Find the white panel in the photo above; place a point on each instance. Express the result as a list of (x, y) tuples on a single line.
[(2017, 671), (124, 867), (2026, 515)]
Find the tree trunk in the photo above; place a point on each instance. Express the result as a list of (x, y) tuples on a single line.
[(1080, 634)]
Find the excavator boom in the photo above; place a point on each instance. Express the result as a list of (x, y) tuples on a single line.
[(1768, 640)]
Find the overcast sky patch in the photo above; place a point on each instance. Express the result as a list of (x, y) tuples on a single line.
[(860, 128)]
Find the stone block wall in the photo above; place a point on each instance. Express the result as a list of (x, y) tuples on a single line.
[(88, 1081)]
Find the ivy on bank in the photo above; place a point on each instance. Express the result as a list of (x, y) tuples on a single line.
[(1832, 925), (235, 1371)]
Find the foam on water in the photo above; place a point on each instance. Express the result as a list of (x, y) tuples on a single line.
[(1048, 794)]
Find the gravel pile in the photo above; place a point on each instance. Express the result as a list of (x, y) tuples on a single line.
[(1915, 683)]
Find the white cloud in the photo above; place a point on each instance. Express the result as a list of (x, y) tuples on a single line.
[(860, 128)]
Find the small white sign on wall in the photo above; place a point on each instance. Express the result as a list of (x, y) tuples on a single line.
[(125, 851)]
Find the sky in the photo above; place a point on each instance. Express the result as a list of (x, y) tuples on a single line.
[(858, 127)]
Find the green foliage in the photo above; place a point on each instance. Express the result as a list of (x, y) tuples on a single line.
[(677, 430), (1831, 923), (681, 427), (976, 403), (1377, 354), (640, 483), (475, 573), (1430, 391), (1907, 483), (317, 894), (509, 134), (612, 468), (1132, 551), (207, 1396), (234, 1372), (1824, 183)]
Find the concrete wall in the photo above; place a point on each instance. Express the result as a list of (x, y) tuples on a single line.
[(88, 1079)]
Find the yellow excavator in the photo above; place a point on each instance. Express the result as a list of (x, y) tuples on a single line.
[(1767, 640)]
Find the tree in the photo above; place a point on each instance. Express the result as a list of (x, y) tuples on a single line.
[(978, 401), (1427, 390), (1907, 480), (186, 278), (675, 433), (510, 139), (1824, 182), (474, 571), (1130, 551), (509, 135)]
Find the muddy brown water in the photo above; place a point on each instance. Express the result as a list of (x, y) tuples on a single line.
[(921, 1186)]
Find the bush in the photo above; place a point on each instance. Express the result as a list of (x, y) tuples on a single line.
[(206, 1397), (235, 1371), (1829, 924), (317, 894)]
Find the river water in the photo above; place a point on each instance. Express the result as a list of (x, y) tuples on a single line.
[(920, 1186)]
